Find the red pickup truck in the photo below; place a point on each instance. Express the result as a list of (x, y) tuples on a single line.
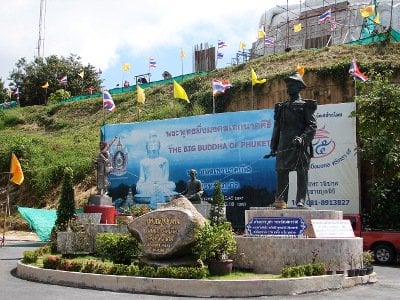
[(384, 243)]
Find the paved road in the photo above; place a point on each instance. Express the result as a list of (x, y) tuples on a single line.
[(12, 287)]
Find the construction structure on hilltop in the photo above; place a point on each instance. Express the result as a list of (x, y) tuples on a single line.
[(313, 24)]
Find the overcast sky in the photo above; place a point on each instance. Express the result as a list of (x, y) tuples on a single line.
[(108, 34)]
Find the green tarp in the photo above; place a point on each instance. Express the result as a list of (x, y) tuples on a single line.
[(380, 37), (40, 220), (132, 88)]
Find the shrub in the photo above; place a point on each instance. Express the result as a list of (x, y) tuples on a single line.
[(88, 267), (147, 271), (30, 257), (51, 262), (45, 249), (133, 270), (314, 269), (66, 206), (217, 215), (70, 265), (118, 269), (119, 248), (215, 242)]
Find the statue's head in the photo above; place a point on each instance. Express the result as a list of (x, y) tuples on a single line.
[(295, 79), (294, 84), (192, 172), (102, 145), (152, 143)]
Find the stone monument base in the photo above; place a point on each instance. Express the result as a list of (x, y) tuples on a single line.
[(100, 200), (270, 254), (203, 208)]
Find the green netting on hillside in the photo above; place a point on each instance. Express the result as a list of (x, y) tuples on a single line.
[(132, 88), (40, 220), (393, 34)]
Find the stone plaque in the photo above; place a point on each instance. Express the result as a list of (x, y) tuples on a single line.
[(332, 228)]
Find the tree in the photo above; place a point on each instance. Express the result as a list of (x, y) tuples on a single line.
[(66, 206), (3, 91), (59, 96), (378, 108), (217, 212), (30, 77)]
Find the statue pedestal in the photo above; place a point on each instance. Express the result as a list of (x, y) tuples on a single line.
[(100, 200), (203, 208), (270, 254)]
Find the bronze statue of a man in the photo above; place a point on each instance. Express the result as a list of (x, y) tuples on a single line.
[(294, 129)]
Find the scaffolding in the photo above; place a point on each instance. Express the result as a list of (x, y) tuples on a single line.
[(298, 27)]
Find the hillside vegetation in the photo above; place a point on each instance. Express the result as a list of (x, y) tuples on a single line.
[(46, 139)]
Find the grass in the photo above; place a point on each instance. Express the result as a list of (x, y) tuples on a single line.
[(244, 275)]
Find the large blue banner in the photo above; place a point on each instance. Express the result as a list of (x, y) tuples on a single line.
[(152, 159), (227, 147)]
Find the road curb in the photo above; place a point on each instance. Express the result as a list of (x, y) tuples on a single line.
[(192, 287)]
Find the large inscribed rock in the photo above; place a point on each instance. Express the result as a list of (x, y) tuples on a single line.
[(169, 231)]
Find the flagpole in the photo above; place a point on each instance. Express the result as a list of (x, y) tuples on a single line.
[(181, 68), (45, 96), (7, 210), (252, 97), (104, 116), (355, 87)]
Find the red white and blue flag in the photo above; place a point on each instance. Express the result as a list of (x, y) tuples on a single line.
[(64, 80), (221, 44), (220, 55), (152, 62), (219, 87), (268, 41), (108, 102), (356, 73), (325, 16)]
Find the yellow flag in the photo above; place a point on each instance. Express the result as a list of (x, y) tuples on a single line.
[(81, 74), (126, 67), (254, 79), (297, 27), (183, 54), (242, 45), (377, 19), (46, 85), (180, 93), (17, 176), (141, 97), (367, 11), (300, 70), (261, 33)]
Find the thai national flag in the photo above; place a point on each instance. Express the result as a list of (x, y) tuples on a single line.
[(356, 73), (219, 87), (152, 62), (325, 16), (221, 44), (108, 102), (64, 80), (268, 41)]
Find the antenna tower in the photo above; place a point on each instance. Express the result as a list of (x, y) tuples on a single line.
[(42, 25)]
